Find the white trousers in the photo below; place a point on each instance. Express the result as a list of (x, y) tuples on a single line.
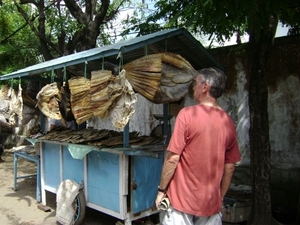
[(173, 217)]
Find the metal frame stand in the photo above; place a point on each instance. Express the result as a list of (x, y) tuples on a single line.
[(32, 158)]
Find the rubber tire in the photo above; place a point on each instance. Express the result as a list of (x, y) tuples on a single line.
[(80, 206)]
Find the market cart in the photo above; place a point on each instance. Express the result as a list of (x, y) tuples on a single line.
[(119, 182)]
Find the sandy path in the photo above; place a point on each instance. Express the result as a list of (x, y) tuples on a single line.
[(20, 207)]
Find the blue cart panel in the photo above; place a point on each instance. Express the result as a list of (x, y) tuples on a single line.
[(145, 176), (51, 165), (72, 168), (103, 179)]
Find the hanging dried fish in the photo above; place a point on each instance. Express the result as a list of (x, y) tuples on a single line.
[(4, 92), (123, 108), (144, 74), (175, 83), (4, 107), (4, 113), (11, 106), (80, 99), (161, 78), (104, 90), (48, 100), (16, 104)]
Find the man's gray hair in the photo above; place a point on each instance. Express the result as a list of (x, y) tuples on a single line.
[(216, 78)]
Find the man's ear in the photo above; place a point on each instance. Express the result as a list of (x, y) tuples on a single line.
[(206, 87)]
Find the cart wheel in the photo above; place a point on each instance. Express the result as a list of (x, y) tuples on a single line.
[(79, 204)]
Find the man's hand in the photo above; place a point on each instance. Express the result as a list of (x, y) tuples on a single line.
[(159, 197)]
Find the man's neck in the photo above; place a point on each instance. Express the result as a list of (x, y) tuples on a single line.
[(209, 101)]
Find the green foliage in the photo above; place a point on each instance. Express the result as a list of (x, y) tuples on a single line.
[(136, 23), (291, 17), (60, 21), (223, 18), (18, 46)]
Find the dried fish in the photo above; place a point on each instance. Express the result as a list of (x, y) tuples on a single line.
[(11, 108), (161, 78), (124, 107), (105, 89), (80, 99), (48, 100)]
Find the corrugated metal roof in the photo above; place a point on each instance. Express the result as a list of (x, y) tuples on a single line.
[(178, 41)]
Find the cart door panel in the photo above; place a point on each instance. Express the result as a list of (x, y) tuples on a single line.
[(103, 180), (146, 173), (72, 168), (51, 165)]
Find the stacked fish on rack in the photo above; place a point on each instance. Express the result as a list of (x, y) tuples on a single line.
[(99, 138)]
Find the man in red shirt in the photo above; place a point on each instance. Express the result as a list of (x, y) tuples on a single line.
[(201, 157)]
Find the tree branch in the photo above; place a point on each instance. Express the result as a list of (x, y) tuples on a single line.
[(22, 2), (40, 35), (90, 8), (76, 11), (112, 13), (99, 18), (12, 34)]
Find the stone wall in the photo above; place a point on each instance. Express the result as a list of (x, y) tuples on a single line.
[(283, 109)]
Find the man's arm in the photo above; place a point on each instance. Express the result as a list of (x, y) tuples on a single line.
[(227, 176), (168, 170)]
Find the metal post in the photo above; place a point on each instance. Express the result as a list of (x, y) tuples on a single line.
[(15, 171), (166, 122), (126, 136)]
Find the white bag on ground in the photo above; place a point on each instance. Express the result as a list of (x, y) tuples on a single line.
[(66, 194)]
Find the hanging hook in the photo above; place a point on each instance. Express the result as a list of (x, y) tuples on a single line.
[(52, 75), (85, 67), (120, 56), (102, 62), (65, 73)]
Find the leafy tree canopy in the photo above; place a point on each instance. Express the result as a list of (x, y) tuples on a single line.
[(220, 18), (49, 29), (18, 45), (65, 27)]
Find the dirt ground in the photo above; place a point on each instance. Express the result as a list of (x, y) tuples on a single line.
[(21, 208)]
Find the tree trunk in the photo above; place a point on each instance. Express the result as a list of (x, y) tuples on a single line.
[(261, 212)]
